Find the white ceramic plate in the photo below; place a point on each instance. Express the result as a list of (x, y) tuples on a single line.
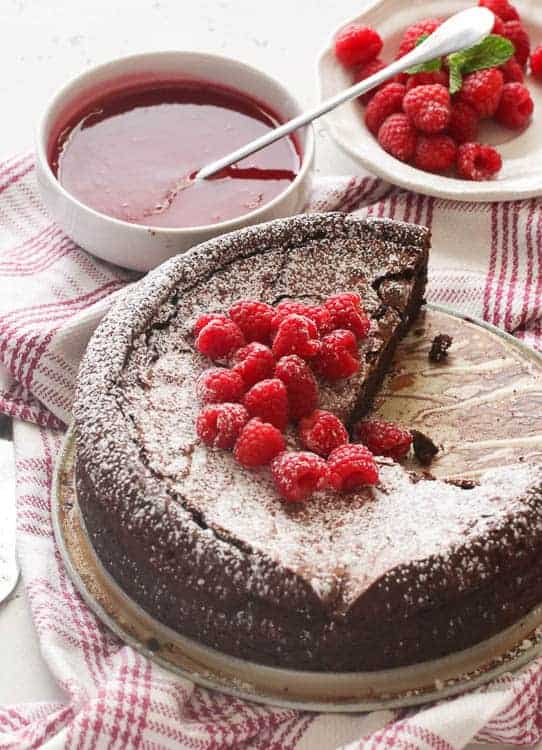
[(521, 175)]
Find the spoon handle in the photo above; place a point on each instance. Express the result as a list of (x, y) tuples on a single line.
[(460, 31)]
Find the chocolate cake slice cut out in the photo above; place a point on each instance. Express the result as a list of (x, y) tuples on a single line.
[(409, 570)]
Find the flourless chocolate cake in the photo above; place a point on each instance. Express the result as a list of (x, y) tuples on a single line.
[(402, 572)]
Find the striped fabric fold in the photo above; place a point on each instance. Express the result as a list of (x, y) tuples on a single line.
[(487, 261)]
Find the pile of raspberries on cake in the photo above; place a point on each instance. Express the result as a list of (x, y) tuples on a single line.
[(431, 117), (266, 381)]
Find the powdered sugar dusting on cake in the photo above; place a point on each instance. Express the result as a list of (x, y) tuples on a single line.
[(220, 531)]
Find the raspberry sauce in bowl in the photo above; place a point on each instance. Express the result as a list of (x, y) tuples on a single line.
[(126, 153), (117, 146)]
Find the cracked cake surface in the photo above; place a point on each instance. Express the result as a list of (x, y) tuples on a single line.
[(408, 570)]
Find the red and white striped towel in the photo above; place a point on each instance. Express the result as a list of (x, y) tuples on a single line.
[(487, 261)]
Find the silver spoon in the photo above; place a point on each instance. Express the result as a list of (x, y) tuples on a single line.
[(463, 30)]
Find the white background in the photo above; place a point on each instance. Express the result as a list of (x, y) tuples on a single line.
[(45, 42)]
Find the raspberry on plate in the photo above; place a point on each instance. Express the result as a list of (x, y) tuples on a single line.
[(202, 321), (477, 162), (219, 339), (346, 312), (428, 107), (426, 78), (483, 90), (296, 334), (219, 425), (366, 71), (258, 444), (351, 467), (317, 313), (464, 122), (297, 475), (338, 357), (386, 101), (300, 384), (268, 400), (516, 106), (435, 153), (397, 136), (498, 26), (254, 362), (384, 438), (321, 432), (536, 62), (512, 71), (254, 319), (217, 385), (502, 8), (514, 31), (413, 33), (357, 44)]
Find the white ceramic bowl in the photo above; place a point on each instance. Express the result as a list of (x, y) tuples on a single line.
[(521, 175), (144, 247)]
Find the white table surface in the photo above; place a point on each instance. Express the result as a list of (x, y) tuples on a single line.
[(44, 42)]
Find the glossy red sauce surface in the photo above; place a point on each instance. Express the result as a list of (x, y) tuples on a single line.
[(126, 154)]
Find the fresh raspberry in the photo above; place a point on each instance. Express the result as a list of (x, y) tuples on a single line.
[(254, 319), (322, 432), (268, 400), (400, 78), (317, 313), (514, 31), (428, 107), (350, 467), (384, 438), (347, 314), (516, 106), (351, 297), (397, 136), (435, 153), (512, 71), (300, 384), (338, 358), (502, 8), (427, 79), (298, 474), (296, 334), (258, 444), (536, 62), (464, 122), (219, 339), (498, 26), (219, 425), (414, 32), (218, 385), (356, 44), (365, 71), (202, 321), (483, 90), (477, 162), (254, 362), (386, 101)]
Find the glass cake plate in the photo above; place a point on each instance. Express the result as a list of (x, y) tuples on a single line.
[(464, 404)]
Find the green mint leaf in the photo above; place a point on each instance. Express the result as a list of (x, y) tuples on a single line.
[(428, 67), (491, 52), (456, 79)]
